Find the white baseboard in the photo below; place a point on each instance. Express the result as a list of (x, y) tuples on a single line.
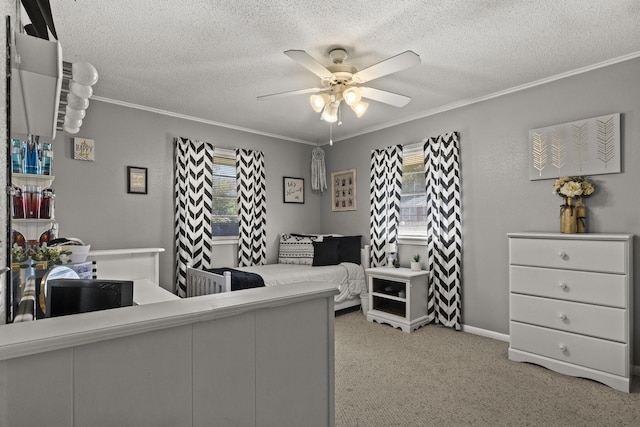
[(485, 333), (635, 369)]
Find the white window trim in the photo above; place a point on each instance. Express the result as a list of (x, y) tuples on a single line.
[(223, 240), (412, 240)]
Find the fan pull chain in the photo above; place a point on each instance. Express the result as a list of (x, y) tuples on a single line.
[(331, 134)]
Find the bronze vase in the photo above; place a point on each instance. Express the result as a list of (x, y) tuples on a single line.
[(568, 217), (581, 217)]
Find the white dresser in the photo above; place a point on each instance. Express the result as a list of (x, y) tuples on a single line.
[(571, 304)]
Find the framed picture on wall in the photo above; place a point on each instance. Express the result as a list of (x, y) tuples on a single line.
[(292, 190), (136, 180), (343, 190)]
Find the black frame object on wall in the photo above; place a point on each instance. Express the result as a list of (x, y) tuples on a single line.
[(292, 190), (8, 237), (136, 180)]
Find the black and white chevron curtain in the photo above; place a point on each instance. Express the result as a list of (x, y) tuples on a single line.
[(252, 207), (193, 189), (444, 243), (384, 193)]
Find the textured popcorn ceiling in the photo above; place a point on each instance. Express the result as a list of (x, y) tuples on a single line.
[(210, 59)]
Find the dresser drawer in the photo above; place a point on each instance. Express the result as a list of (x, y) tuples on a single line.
[(595, 255), (607, 356), (597, 321), (595, 288)]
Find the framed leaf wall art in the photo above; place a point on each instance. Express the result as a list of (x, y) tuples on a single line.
[(583, 147)]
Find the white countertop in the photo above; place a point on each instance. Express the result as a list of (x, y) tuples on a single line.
[(147, 292), (22, 339)]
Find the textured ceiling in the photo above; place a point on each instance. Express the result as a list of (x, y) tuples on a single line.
[(210, 59)]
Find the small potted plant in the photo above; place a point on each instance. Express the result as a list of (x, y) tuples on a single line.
[(415, 264)]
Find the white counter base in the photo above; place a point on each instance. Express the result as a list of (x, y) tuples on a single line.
[(261, 356)]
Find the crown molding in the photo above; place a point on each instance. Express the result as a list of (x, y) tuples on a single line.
[(197, 119), (385, 125)]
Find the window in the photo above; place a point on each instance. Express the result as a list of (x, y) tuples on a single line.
[(413, 198), (224, 218)]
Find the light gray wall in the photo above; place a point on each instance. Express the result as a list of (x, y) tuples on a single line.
[(497, 196), (92, 201)]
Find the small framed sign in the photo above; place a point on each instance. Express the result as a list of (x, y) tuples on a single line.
[(136, 180), (292, 190), (83, 149)]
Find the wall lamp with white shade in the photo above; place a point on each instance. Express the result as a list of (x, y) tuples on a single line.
[(78, 79)]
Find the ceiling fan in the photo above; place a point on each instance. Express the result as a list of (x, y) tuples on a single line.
[(340, 82)]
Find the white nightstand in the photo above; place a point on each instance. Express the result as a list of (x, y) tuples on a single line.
[(398, 297)]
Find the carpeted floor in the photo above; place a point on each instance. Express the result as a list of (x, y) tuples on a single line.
[(436, 376)]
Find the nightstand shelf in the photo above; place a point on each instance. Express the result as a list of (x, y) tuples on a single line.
[(398, 297)]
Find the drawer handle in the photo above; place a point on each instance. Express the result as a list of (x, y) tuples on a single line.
[(563, 348), (562, 285), (562, 254), (562, 316)]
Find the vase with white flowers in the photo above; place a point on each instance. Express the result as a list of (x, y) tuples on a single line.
[(573, 217)]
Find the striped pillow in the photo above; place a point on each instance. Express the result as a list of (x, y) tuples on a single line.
[(297, 249)]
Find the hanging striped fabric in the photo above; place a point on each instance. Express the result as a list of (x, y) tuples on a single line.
[(384, 193), (193, 184), (252, 207), (444, 243)]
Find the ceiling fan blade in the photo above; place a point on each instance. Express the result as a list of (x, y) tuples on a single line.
[(391, 65), (390, 98), (293, 92), (307, 61)]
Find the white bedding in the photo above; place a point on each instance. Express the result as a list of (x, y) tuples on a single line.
[(348, 277)]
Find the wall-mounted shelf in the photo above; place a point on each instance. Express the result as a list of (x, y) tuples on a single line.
[(32, 229), (20, 179)]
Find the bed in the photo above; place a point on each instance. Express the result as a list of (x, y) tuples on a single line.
[(301, 258)]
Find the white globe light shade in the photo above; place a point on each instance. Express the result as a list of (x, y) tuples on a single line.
[(72, 131), (351, 96), (330, 113), (76, 102), (360, 108), (82, 91), (319, 101), (70, 123), (75, 114), (84, 73)]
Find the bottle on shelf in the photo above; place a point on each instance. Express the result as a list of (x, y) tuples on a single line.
[(16, 156), (46, 204), (44, 238), (17, 202), (31, 156), (32, 196), (18, 239), (46, 161)]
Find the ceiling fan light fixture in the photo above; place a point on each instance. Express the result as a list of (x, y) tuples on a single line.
[(318, 102), (330, 113), (360, 108), (352, 96)]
